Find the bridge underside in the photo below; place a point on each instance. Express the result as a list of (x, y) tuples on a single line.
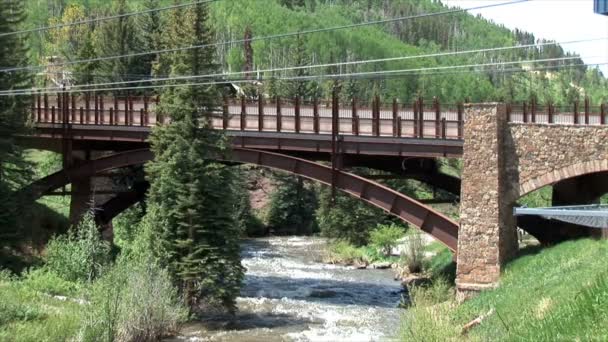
[(411, 211)]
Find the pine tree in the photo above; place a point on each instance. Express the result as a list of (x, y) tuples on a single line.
[(120, 37), (14, 171), (188, 194), (150, 31), (292, 206)]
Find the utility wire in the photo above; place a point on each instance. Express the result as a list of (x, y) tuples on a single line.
[(270, 37), (294, 78), (338, 64), (118, 16)]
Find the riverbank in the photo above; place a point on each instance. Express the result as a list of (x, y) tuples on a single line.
[(558, 293)]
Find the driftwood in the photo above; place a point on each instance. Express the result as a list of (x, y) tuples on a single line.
[(477, 321)]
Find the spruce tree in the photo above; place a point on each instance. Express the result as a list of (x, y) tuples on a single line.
[(190, 193), (150, 31), (292, 206), (14, 171), (120, 37)]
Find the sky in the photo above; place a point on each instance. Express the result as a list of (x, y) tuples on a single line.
[(559, 20)]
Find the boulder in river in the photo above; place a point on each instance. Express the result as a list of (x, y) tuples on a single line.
[(381, 265), (414, 280)]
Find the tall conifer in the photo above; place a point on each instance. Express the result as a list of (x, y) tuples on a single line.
[(189, 191), (14, 171)]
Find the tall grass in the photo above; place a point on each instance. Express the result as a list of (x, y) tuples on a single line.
[(556, 294)]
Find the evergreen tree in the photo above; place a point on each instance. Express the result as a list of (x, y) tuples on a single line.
[(292, 206), (120, 37), (150, 31), (188, 194), (14, 171), (85, 72)]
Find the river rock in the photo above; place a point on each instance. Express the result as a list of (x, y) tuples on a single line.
[(360, 266), (414, 280), (381, 265)]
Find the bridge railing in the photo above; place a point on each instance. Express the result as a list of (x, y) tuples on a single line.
[(575, 114), (419, 119)]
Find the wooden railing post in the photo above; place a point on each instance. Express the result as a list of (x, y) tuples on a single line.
[(437, 117), (460, 118), (243, 113), (603, 114), (225, 112), (260, 111), (279, 115), (74, 109), (87, 106), (32, 115), (533, 110), (146, 110), (112, 116), (443, 128), (96, 111), (59, 107), (53, 114), (395, 113), (46, 107), (130, 99), (525, 115), (102, 114), (376, 116), (415, 123), (81, 119), (115, 116), (586, 110), (355, 122), (297, 115), (159, 115), (575, 120), (141, 116), (39, 109), (550, 112), (421, 117), (399, 126), (315, 114)]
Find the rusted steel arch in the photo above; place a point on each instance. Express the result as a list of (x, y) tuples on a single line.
[(87, 169), (409, 210), (119, 203)]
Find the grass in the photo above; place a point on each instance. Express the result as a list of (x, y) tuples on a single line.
[(28, 314), (341, 252), (559, 293)]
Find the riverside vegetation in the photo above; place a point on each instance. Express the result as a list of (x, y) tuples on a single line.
[(165, 267)]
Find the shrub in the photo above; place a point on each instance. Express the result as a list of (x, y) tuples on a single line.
[(135, 301), (413, 255), (47, 281), (385, 237), (81, 255), (344, 252)]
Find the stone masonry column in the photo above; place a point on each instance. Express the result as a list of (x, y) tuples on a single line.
[(487, 237)]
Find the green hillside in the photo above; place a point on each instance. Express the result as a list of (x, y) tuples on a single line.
[(402, 38)]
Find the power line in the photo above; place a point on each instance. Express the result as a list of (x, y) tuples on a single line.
[(118, 16), (294, 78), (390, 59), (270, 37)]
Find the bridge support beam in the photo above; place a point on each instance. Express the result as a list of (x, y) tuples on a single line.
[(487, 237), (83, 198)]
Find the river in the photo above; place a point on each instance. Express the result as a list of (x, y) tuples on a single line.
[(288, 295)]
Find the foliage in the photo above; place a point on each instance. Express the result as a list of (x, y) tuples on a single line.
[(557, 293), (346, 218), (244, 217), (413, 256), (80, 255), (14, 170), (48, 282), (189, 197), (292, 206), (135, 301), (385, 237), (127, 226)]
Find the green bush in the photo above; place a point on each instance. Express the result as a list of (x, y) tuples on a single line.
[(135, 301), (385, 237), (80, 255), (413, 256), (47, 281), (292, 207), (344, 253)]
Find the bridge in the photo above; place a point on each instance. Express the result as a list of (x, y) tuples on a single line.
[(507, 151)]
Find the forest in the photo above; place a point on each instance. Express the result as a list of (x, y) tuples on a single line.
[(176, 256)]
